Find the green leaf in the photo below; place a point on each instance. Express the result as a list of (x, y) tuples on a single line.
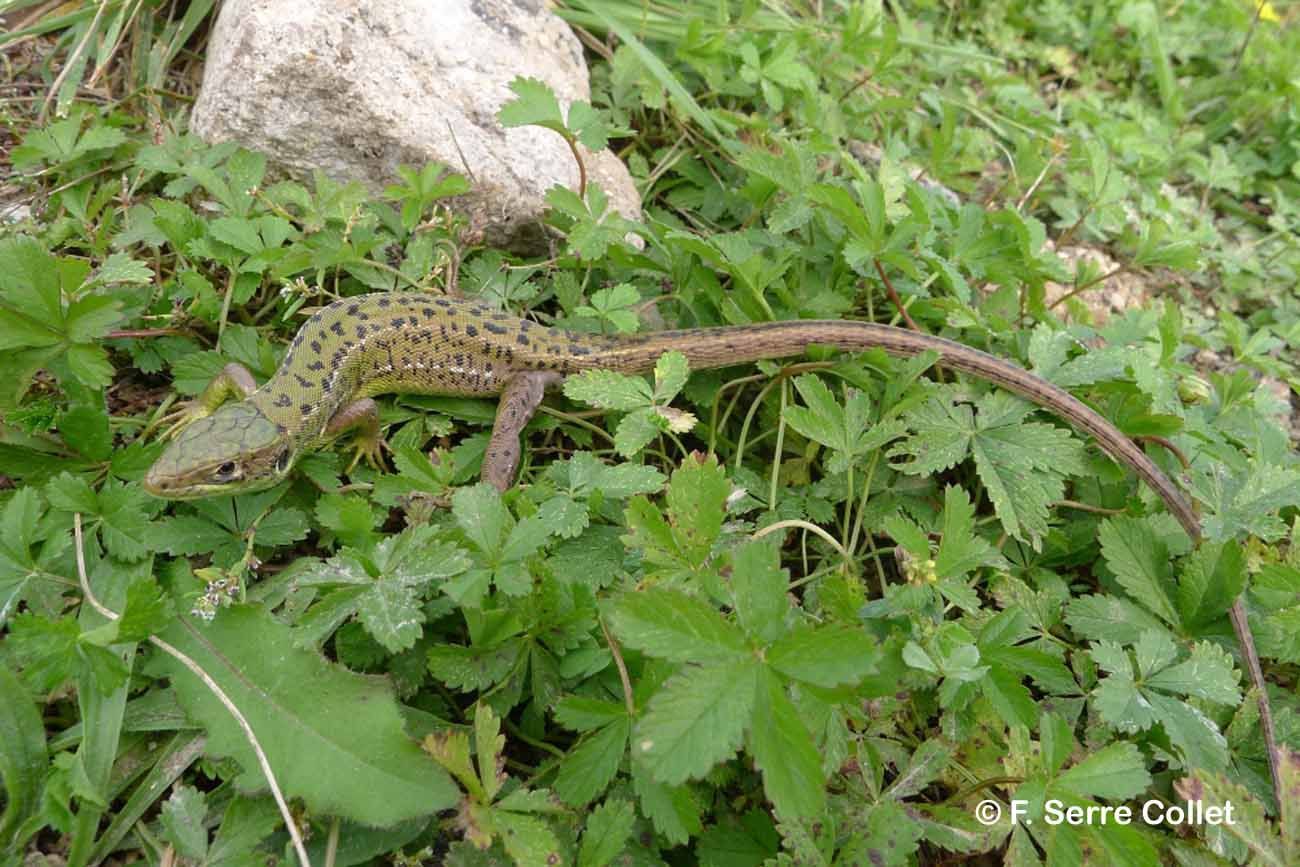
[(846, 429), (182, 821), (1246, 501), (334, 738), (671, 373), (1141, 563), (784, 753), (1110, 618), (591, 766), (609, 390), (471, 668), (1130, 705), (1212, 579), (929, 760), (1117, 771), (528, 840), (760, 587), (534, 105), (1249, 825), (637, 430), (86, 429), (482, 516), (1207, 673), (673, 626), (608, 828), (23, 760), (960, 550), (696, 720), (146, 611), (391, 613), (826, 656), (119, 513), (1022, 465)]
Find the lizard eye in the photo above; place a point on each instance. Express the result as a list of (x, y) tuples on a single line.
[(226, 471), (282, 462)]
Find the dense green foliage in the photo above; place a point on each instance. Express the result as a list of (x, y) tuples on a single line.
[(809, 614)]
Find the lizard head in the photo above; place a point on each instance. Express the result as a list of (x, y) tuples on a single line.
[(233, 451)]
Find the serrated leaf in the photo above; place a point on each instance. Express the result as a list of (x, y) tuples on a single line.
[(182, 821), (929, 760), (1207, 673), (1116, 771), (1250, 824), (391, 613), (608, 828), (1212, 579), (1022, 465), (472, 668), (528, 840), (1141, 563), (671, 625), (609, 390), (696, 720), (637, 430), (1109, 618), (482, 516), (23, 760), (784, 753), (825, 656), (589, 767), (760, 586), (960, 550), (534, 104), (671, 373)]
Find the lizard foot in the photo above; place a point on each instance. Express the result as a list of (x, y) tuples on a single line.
[(371, 448)]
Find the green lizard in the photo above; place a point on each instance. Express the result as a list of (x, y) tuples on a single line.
[(429, 344)]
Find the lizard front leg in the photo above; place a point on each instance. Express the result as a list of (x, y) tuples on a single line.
[(234, 382), (362, 417), (520, 399)]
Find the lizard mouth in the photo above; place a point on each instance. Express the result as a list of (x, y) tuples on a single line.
[(160, 485)]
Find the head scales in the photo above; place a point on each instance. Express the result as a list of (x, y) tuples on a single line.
[(235, 450)]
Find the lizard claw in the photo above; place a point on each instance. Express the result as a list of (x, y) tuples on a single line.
[(371, 448), (177, 420)]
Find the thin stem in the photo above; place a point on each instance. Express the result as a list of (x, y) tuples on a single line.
[(71, 62), (614, 651), (803, 525), (893, 296), (1114, 272), (780, 445)]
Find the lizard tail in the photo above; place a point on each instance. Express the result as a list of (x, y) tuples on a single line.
[(720, 347)]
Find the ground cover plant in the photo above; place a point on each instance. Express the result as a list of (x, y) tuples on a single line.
[(811, 612)]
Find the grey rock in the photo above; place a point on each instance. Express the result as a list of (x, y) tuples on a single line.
[(357, 87)]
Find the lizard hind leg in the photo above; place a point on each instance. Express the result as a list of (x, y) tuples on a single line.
[(360, 417), (520, 399), (234, 382)]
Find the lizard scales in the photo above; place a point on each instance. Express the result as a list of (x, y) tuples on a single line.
[(429, 344)]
